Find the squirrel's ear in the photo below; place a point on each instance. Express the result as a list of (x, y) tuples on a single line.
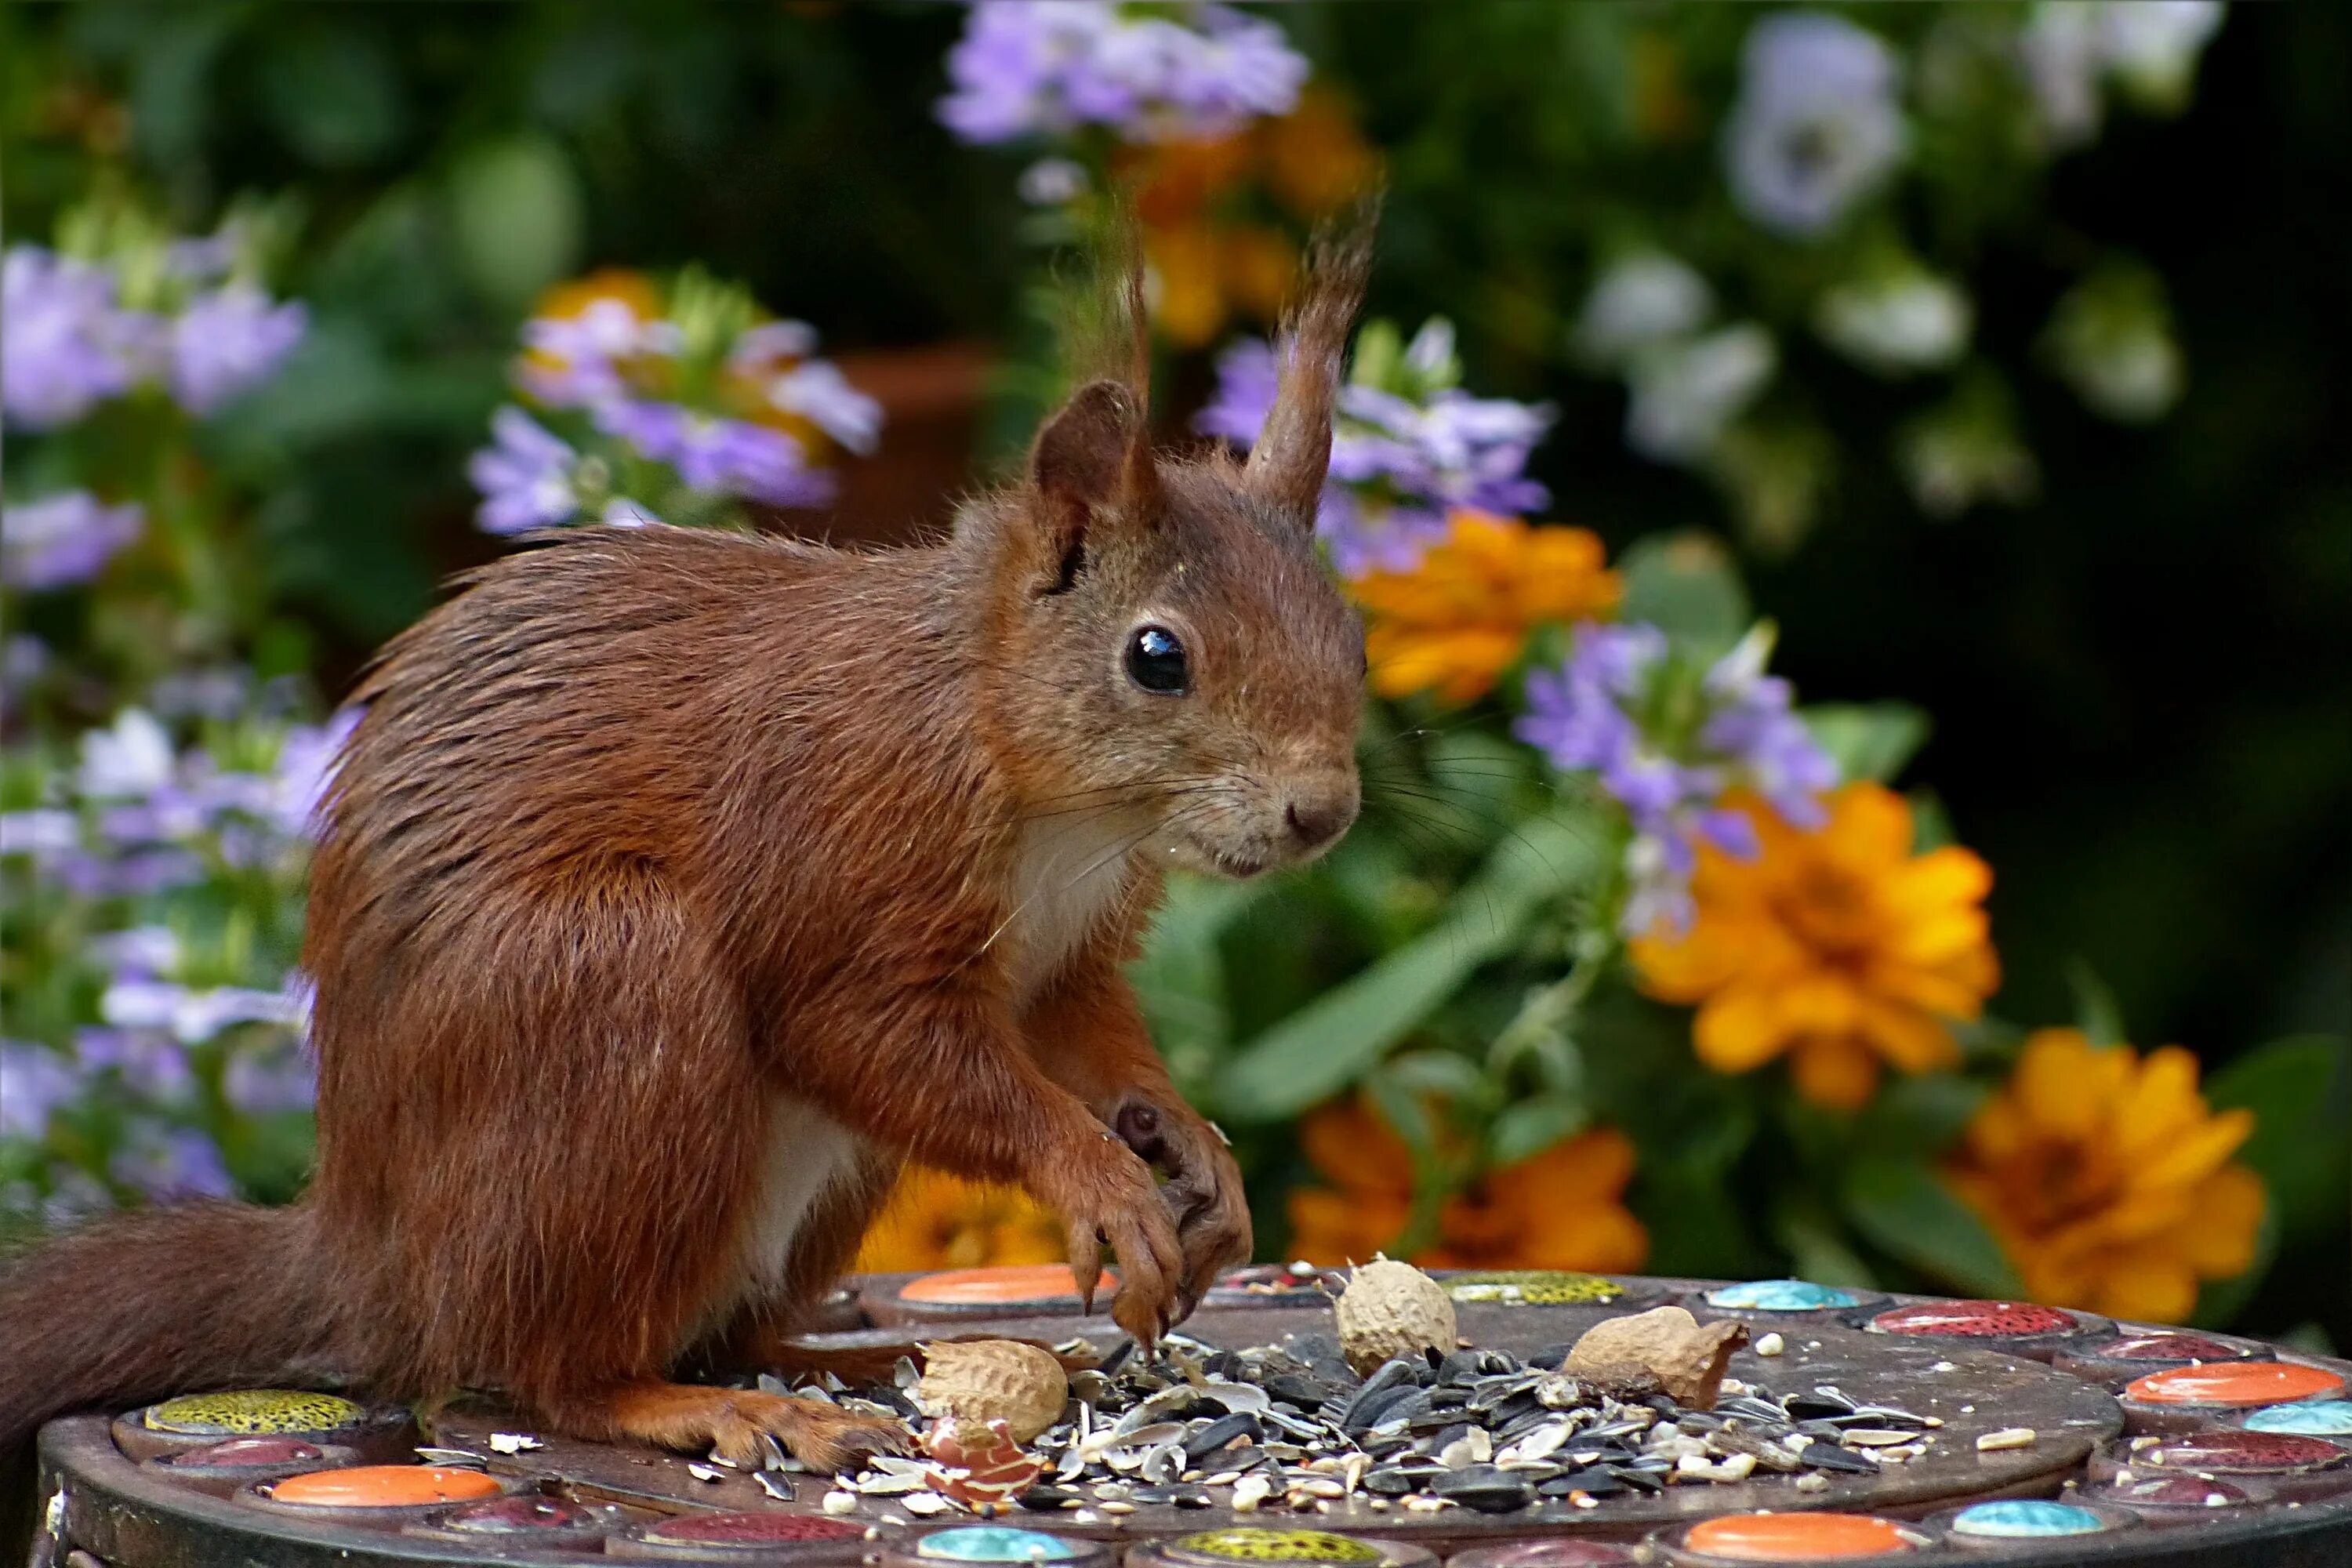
[(1092, 454), (1287, 466)]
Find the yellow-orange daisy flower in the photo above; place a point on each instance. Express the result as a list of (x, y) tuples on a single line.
[(1561, 1209), (2107, 1179), (1839, 947), (1212, 265), (935, 1220), (1458, 619)]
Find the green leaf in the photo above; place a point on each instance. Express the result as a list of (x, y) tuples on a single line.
[(1868, 741), (1902, 1207), (1179, 978), (1448, 1075), (1686, 585), (1327, 1045), (2300, 1090), (1818, 1251), (1919, 1115), (335, 95), (1532, 1126), (1931, 825), (516, 210), (2096, 1012)]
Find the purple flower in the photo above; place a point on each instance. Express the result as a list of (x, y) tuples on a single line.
[(307, 760), (276, 1078), (820, 394), (193, 1016), (729, 457), (1817, 124), (763, 346), (228, 341), (167, 1162), (1399, 463), (34, 1081), (63, 538), (1031, 67), (42, 831), (1598, 713), (64, 345), (150, 1064), (587, 351), (526, 480)]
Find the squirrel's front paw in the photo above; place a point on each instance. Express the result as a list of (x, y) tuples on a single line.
[(1107, 1196), (1204, 1191)]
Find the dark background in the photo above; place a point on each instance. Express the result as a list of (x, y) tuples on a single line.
[(2137, 682)]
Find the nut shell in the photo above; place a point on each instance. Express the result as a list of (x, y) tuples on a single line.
[(980, 1380), (1392, 1309), (1686, 1356)]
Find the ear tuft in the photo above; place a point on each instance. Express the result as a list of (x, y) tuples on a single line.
[(1287, 464), (1082, 454)]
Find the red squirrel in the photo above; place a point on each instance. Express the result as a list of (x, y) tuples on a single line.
[(678, 885)]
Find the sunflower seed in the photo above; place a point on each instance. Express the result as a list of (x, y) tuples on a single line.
[(460, 1456), (1484, 1488)]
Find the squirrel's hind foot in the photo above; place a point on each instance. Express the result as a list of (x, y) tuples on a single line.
[(730, 1422)]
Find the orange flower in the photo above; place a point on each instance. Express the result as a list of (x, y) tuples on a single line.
[(1840, 947), (1210, 264), (1457, 620), (934, 1220), (572, 298), (2109, 1180), (1315, 159), (1562, 1208)]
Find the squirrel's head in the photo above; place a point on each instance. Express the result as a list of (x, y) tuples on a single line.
[(1176, 661)]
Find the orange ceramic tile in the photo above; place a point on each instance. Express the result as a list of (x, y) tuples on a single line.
[(988, 1287), (2235, 1384), (384, 1485), (1795, 1537)]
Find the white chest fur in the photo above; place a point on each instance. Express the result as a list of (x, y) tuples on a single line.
[(807, 1153), (1069, 872)]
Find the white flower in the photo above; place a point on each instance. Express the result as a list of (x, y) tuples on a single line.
[(2153, 44), (2067, 47), (1817, 125), (1897, 323), (1645, 298), (1052, 182), (1685, 393), (130, 761)]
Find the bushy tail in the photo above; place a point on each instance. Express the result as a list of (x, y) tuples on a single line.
[(138, 1307)]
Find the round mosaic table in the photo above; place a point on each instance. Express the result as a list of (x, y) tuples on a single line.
[(2035, 1437)]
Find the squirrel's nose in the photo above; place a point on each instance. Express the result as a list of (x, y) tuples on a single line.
[(1317, 819)]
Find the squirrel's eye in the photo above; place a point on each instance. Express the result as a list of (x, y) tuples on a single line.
[(1155, 661)]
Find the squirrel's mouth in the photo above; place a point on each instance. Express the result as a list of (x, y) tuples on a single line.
[(1239, 868)]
